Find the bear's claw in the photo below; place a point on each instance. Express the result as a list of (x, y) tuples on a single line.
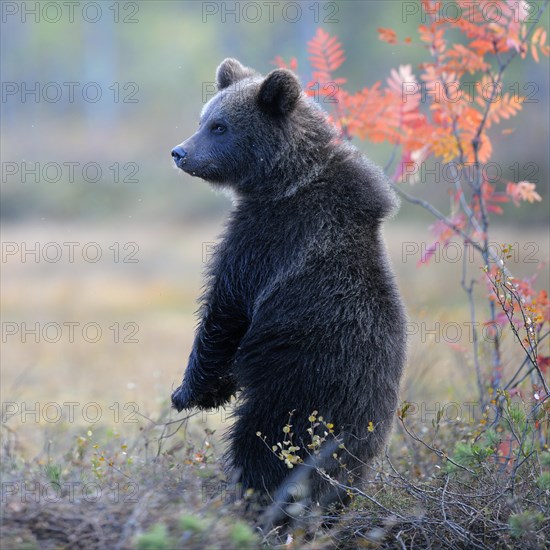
[(181, 399)]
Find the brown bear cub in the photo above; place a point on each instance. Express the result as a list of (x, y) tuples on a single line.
[(301, 311)]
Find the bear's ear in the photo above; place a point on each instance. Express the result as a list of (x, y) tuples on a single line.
[(231, 71), (279, 92)]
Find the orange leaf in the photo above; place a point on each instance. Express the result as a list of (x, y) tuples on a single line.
[(326, 53), (534, 52), (282, 64), (387, 35), (527, 192), (524, 191)]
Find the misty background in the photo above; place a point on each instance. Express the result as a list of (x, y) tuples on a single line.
[(122, 94)]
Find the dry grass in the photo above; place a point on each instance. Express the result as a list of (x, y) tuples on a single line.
[(160, 486)]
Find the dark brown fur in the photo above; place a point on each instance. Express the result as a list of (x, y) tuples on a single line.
[(301, 311)]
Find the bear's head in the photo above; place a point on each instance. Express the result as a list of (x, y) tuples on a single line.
[(256, 133)]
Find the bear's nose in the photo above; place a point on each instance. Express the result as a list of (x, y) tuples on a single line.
[(178, 154)]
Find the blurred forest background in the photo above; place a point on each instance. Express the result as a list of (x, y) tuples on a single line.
[(152, 61), (161, 63)]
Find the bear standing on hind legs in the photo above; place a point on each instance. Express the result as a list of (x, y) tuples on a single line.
[(301, 311)]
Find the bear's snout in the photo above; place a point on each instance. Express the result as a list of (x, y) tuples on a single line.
[(179, 154)]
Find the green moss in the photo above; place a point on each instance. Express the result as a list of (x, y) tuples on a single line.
[(242, 535), (155, 539), (193, 523)]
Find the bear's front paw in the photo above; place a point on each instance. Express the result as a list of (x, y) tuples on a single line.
[(181, 399)]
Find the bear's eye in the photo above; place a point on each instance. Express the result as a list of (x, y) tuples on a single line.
[(218, 128)]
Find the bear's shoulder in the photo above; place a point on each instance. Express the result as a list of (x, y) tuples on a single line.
[(351, 179)]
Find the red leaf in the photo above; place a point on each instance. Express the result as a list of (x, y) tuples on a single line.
[(543, 363), (427, 254)]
